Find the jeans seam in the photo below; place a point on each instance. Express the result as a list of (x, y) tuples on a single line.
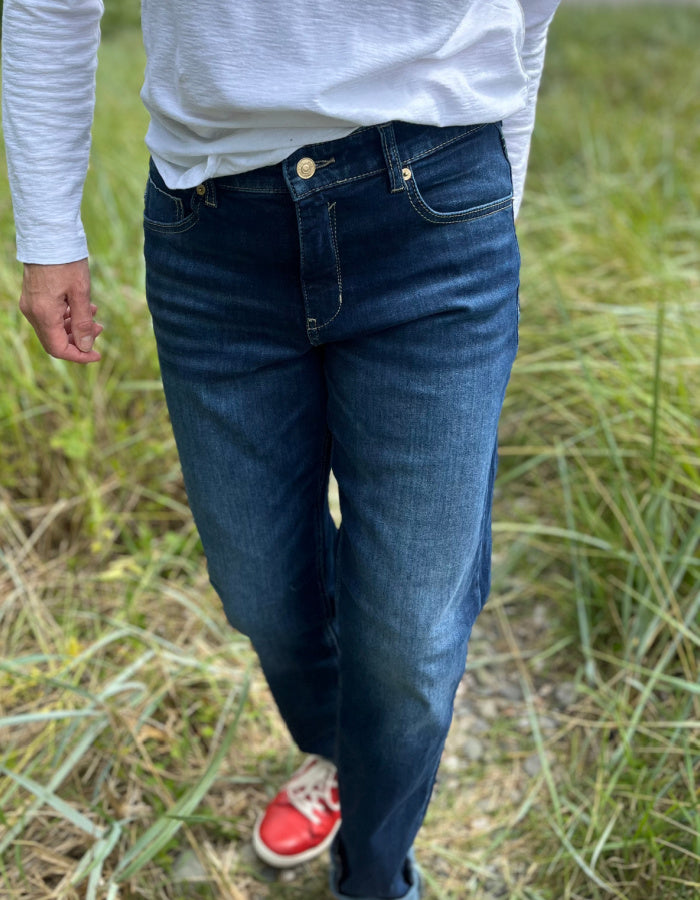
[(321, 549), (176, 200), (305, 293), (251, 190), (452, 140), (334, 238), (334, 235)]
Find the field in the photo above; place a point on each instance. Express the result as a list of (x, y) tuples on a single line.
[(137, 738)]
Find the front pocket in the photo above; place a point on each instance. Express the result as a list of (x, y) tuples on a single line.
[(466, 179), (167, 210)]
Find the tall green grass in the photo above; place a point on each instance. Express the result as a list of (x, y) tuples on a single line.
[(128, 733), (601, 434)]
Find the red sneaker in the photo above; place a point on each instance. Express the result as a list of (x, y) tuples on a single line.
[(300, 823)]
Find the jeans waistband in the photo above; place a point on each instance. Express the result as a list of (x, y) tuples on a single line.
[(368, 151)]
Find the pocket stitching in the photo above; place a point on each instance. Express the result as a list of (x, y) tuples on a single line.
[(184, 222), (438, 218), (176, 228)]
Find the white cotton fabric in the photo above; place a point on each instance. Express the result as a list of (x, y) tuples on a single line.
[(232, 85)]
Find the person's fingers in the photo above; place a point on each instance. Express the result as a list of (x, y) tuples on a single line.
[(71, 353), (81, 316), (56, 301), (97, 330), (66, 314)]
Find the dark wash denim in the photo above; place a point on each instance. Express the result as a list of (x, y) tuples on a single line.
[(363, 318)]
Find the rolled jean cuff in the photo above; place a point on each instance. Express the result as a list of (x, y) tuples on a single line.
[(412, 872)]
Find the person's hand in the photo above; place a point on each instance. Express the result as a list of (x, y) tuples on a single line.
[(56, 300)]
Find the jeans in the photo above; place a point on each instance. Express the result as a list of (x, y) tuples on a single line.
[(353, 307)]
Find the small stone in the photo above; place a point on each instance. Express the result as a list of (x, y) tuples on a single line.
[(251, 859), (489, 804), (511, 691), (451, 764), (188, 868), (488, 708), (480, 823), (473, 749), (480, 726), (495, 885), (486, 681), (532, 765), (540, 617), (565, 694)]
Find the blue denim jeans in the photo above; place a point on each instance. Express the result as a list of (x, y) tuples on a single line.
[(353, 307)]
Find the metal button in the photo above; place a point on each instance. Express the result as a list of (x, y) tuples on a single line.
[(306, 167), (406, 172), (201, 190)]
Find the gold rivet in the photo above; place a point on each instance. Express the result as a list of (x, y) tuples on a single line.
[(306, 168), (406, 172), (201, 190)]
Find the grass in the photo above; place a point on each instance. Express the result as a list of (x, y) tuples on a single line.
[(136, 731)]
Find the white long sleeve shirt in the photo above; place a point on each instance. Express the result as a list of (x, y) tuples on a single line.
[(232, 85)]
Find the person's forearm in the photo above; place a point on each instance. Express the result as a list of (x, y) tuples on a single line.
[(49, 50), (517, 129)]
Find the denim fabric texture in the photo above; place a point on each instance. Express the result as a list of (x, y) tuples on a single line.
[(355, 306), (411, 873)]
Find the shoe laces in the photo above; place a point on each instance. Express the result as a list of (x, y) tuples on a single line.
[(311, 790)]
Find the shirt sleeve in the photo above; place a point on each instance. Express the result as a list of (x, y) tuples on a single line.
[(517, 129), (49, 60)]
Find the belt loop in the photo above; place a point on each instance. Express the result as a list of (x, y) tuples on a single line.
[(210, 195), (391, 157)]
